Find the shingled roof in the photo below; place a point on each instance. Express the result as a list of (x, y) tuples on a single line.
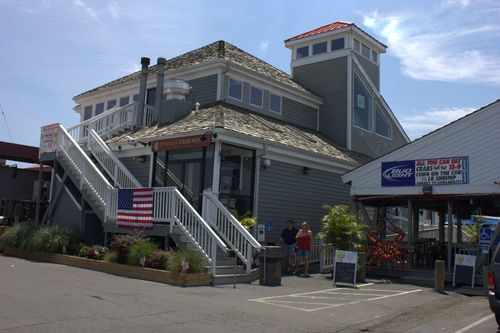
[(256, 126), (216, 50)]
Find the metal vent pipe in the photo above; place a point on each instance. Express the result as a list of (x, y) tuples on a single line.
[(142, 92), (160, 65)]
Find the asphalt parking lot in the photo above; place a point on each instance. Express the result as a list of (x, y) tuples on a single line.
[(42, 297)]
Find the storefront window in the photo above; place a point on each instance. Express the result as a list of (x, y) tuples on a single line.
[(237, 172)]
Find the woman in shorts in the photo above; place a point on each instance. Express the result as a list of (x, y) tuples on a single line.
[(304, 246)]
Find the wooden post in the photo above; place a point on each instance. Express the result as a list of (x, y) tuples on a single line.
[(441, 226), (415, 219), (439, 275), (410, 222), (450, 233)]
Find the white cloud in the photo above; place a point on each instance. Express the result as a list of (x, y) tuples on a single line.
[(263, 46), (429, 120), (447, 43), (89, 10), (114, 10)]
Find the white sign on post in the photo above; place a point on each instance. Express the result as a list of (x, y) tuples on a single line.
[(48, 138)]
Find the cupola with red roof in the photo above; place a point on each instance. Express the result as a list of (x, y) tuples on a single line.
[(333, 40)]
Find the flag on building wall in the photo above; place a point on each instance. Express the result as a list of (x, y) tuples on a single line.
[(135, 208)]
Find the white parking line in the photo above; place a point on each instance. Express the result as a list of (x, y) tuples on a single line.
[(336, 295), (474, 324)]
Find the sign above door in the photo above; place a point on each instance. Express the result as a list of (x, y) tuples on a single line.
[(182, 143)]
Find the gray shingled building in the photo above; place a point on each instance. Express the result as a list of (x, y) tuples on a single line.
[(220, 121)]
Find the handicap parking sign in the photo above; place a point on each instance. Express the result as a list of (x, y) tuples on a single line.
[(485, 236)]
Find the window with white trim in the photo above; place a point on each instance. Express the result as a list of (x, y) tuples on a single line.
[(338, 44), (319, 48), (124, 100), (357, 46), (111, 104), (256, 96), (362, 108), (274, 103), (375, 57), (365, 51), (99, 108), (235, 89), (87, 112), (302, 52), (382, 126)]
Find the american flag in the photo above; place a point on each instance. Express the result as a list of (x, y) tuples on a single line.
[(135, 208)]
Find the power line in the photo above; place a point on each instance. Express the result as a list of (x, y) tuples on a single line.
[(6, 123)]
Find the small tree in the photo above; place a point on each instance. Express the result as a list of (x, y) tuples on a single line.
[(342, 228), (471, 233), (246, 219)]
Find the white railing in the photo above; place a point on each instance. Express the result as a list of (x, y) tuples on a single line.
[(170, 206), (230, 229), (105, 124), (325, 256), (113, 166), (89, 174), (150, 114)]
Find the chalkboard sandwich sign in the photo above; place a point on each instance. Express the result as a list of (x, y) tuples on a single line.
[(345, 263), (465, 270)]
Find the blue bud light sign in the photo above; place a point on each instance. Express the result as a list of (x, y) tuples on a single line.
[(400, 173), (432, 171)]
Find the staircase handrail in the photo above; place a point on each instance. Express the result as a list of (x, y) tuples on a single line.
[(230, 229), (89, 173), (113, 120), (174, 178), (113, 166)]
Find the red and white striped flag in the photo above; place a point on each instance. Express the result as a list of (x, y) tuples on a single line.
[(135, 208)]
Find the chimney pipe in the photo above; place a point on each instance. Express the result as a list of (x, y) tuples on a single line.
[(160, 65), (142, 92)]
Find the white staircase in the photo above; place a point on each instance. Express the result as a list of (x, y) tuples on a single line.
[(211, 234)]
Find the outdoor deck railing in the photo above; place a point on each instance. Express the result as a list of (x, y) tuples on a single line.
[(111, 164), (230, 229), (88, 172)]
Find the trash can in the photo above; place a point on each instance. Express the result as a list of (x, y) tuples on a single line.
[(270, 266)]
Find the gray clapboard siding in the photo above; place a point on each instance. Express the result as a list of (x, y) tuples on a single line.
[(140, 170), (299, 114), (375, 145), (328, 79), (204, 90), (285, 192), (66, 212), (371, 69)]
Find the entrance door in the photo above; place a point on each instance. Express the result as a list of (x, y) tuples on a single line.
[(185, 175)]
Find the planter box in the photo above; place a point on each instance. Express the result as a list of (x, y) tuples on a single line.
[(155, 275)]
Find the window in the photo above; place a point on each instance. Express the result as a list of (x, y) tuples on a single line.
[(111, 104), (337, 44), (375, 57), (382, 126), (302, 52), (274, 103), (124, 101), (362, 109), (235, 89), (356, 45), (256, 96), (151, 96), (87, 112), (99, 108), (319, 48), (135, 98), (365, 51)]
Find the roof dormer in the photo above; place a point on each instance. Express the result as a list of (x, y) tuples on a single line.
[(331, 41)]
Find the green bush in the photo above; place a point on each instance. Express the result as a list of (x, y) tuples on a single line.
[(141, 247), (97, 252), (174, 262), (51, 239), (111, 256), (342, 228), (17, 236), (84, 251), (122, 244), (158, 260)]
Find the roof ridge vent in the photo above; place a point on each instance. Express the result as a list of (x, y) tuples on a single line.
[(265, 122), (221, 49), (301, 134)]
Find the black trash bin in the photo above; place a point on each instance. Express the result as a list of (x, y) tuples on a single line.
[(270, 266)]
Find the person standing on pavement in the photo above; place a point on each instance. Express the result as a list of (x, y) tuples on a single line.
[(304, 247), (288, 242)]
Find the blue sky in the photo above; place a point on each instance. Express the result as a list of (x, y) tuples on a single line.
[(443, 57)]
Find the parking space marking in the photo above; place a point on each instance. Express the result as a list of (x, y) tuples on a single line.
[(321, 302), (474, 324)]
